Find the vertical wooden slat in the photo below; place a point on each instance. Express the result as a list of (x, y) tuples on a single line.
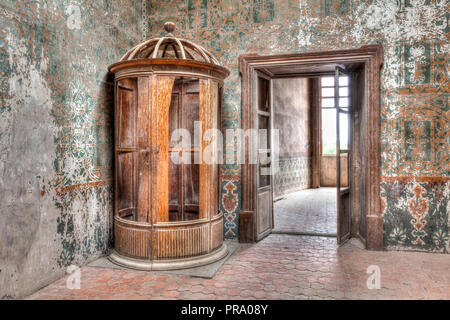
[(142, 132), (132, 242), (153, 96), (214, 166), (315, 130), (216, 234), (204, 119), (186, 241), (116, 139), (164, 87)]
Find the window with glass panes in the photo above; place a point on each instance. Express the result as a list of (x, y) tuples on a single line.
[(328, 107)]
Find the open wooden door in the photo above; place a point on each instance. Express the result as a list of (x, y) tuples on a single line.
[(264, 198), (343, 153)]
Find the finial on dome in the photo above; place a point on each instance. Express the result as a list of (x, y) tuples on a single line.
[(169, 26)]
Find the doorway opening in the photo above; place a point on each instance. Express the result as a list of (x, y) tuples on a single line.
[(303, 204), (341, 85)]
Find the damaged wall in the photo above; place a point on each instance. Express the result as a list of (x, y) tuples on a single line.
[(55, 134), (414, 90), (292, 117)]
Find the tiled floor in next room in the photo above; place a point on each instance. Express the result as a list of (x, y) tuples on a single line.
[(307, 211), (278, 267)]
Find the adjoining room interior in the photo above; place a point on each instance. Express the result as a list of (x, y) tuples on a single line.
[(290, 97), (305, 199)]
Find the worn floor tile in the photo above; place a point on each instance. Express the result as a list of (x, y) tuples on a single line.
[(278, 267), (307, 211)]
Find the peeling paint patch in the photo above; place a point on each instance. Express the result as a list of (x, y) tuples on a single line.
[(85, 223), (74, 17)]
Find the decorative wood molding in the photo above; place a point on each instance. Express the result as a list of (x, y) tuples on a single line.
[(371, 57), (315, 131)]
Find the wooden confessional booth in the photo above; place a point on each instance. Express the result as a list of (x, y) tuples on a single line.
[(166, 191)]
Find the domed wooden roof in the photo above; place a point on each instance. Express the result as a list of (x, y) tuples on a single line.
[(170, 47)]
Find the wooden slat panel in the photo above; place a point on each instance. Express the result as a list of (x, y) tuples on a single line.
[(182, 242), (328, 171), (216, 233), (132, 242)]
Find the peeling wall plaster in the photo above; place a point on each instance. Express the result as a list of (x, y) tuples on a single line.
[(55, 134), (25, 167)]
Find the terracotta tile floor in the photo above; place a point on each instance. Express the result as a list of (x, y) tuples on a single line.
[(278, 267), (307, 211)]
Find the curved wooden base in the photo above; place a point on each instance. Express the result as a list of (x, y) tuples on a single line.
[(174, 264)]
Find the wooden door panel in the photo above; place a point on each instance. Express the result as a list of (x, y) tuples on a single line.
[(143, 184), (174, 192), (174, 114), (127, 117), (344, 170), (175, 209), (174, 178), (264, 212), (343, 159), (126, 149), (143, 163), (191, 184), (125, 182), (263, 87), (344, 206), (191, 110), (264, 196), (184, 173)]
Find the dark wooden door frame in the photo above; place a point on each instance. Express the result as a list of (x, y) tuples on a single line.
[(371, 57)]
